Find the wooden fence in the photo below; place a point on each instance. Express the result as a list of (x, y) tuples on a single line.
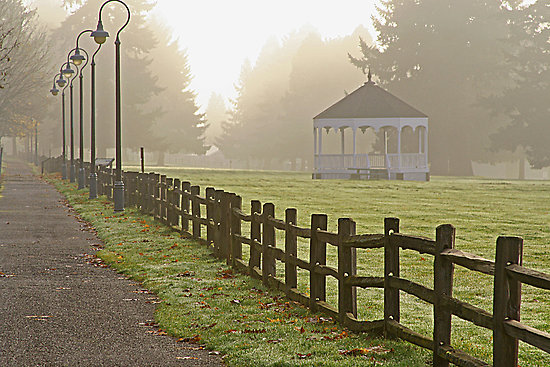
[(217, 218)]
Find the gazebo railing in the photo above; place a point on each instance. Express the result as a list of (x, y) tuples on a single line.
[(393, 161), (413, 160)]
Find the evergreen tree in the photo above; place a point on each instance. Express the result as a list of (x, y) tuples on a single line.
[(216, 113), (232, 141), (138, 83), (443, 57), (179, 127), (320, 76), (525, 104), (292, 81)]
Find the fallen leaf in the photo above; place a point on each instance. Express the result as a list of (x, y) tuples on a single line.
[(193, 339)]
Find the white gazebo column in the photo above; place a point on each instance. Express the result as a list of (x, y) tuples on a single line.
[(320, 147), (426, 145), (315, 154), (320, 140), (343, 145), (399, 146), (420, 133), (354, 151)]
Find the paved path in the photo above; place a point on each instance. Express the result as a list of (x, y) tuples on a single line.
[(57, 309)]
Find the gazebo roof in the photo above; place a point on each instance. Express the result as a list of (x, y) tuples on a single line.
[(370, 101)]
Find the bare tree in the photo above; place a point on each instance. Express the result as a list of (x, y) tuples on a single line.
[(25, 68)]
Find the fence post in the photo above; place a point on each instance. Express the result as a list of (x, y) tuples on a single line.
[(391, 269), (506, 301), (255, 235), (168, 200), (347, 267), (225, 226), (185, 192), (110, 184), (209, 194), (291, 250), (162, 213), (317, 256), (196, 211), (236, 244), (268, 240), (218, 241), (443, 286), (151, 193), (176, 203), (156, 194)]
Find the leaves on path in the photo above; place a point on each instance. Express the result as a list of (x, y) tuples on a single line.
[(194, 339)]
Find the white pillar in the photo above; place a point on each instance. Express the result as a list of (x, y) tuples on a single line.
[(343, 143), (343, 148), (426, 145), (320, 140), (354, 152), (399, 146), (315, 158), (420, 132)]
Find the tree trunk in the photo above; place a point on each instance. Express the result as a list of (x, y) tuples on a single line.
[(293, 164)]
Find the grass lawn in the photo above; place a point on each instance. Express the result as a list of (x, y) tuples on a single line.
[(480, 209), (201, 300)]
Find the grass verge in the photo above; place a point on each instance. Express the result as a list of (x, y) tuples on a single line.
[(203, 301)]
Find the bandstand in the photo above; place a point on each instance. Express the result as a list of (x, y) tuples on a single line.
[(370, 106)]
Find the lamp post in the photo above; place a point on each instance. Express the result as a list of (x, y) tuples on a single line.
[(68, 72), (77, 60), (93, 174), (100, 36), (62, 83)]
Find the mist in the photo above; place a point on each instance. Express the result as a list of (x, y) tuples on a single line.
[(478, 69)]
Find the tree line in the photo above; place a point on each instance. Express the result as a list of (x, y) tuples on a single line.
[(478, 68)]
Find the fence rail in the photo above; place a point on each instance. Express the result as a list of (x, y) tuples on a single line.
[(217, 219)]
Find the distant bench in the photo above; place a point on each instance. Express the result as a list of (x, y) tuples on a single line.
[(104, 162), (368, 173)]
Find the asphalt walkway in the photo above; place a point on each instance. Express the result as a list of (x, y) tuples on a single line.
[(58, 308)]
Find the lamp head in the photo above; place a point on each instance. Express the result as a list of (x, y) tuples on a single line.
[(100, 35), (67, 72), (77, 58), (54, 91), (61, 82)]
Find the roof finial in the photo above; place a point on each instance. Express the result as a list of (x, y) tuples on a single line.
[(369, 76)]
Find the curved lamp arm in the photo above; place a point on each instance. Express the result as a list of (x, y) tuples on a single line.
[(99, 34), (77, 58), (62, 83), (86, 63), (74, 75), (54, 91)]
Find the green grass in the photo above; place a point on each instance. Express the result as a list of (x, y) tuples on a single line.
[(203, 300), (480, 209)]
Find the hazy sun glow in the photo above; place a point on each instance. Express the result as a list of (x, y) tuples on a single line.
[(220, 34)]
